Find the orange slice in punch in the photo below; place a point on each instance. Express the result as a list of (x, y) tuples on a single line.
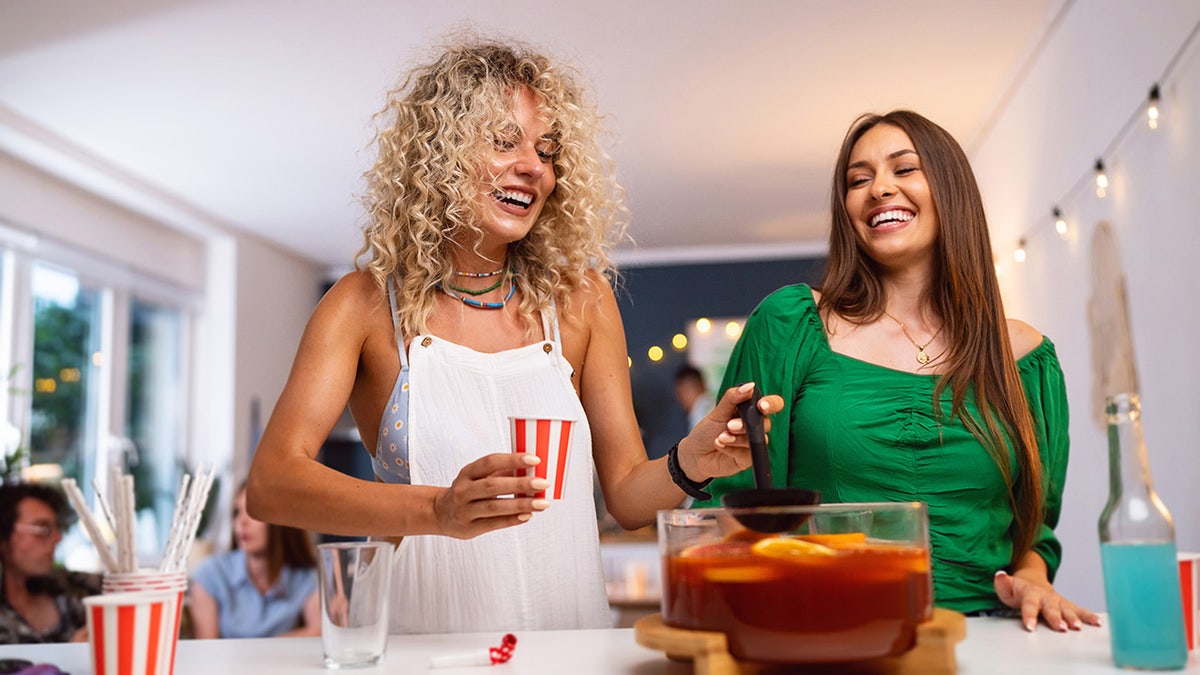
[(788, 548), (741, 574), (835, 540)]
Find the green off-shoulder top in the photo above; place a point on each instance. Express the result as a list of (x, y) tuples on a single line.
[(859, 432)]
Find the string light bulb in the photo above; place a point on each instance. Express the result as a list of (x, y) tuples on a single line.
[(1019, 254), (1101, 179), (1152, 107), (1060, 223)]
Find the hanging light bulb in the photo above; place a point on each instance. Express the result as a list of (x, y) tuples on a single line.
[(1152, 107), (1101, 179), (1019, 254), (1060, 223)]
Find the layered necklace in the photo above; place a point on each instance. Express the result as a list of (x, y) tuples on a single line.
[(461, 294), (922, 356)]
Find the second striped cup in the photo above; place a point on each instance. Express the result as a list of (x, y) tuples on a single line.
[(550, 439), (133, 633)]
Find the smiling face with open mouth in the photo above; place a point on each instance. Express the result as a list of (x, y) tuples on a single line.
[(888, 197), (520, 174)]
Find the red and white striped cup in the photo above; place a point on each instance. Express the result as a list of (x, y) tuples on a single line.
[(144, 580), (550, 440), (1189, 583), (133, 633), (152, 581)]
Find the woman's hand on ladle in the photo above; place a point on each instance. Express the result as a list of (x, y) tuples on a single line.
[(718, 445)]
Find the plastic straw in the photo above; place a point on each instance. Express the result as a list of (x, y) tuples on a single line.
[(121, 516), (121, 504), (176, 526), (130, 530), (89, 523), (118, 495), (195, 510), (179, 527), (108, 516)]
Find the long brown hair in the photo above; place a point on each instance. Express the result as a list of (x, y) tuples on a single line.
[(966, 296), (286, 547)]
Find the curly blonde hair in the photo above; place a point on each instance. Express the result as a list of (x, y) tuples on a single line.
[(437, 131)]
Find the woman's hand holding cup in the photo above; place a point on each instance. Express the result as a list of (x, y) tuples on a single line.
[(481, 498)]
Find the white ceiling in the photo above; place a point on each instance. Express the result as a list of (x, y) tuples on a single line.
[(724, 116)]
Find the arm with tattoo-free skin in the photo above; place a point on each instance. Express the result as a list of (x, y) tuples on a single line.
[(636, 488), (289, 486)]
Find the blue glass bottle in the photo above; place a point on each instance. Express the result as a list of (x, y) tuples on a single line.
[(1137, 551)]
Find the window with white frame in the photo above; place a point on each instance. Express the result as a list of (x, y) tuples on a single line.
[(97, 378)]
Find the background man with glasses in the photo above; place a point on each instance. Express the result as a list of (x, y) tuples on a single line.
[(39, 602)]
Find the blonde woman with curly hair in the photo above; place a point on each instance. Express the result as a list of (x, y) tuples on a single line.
[(483, 292)]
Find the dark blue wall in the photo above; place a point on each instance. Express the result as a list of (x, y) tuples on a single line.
[(657, 302)]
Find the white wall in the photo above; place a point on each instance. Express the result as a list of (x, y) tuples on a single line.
[(42, 204), (1091, 75), (269, 293), (276, 292)]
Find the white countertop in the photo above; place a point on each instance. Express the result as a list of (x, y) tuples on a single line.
[(991, 646)]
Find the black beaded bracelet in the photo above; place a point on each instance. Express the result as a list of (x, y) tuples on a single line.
[(692, 488)]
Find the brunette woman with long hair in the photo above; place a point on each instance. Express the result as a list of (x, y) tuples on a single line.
[(904, 381), (265, 587)]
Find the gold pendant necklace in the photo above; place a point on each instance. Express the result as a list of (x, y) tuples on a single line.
[(922, 356)]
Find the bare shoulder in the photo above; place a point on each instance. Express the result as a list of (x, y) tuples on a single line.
[(591, 327), (357, 286), (351, 308), (599, 285), (1024, 338), (595, 296), (355, 293)]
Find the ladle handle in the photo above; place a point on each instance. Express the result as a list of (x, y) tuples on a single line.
[(756, 434)]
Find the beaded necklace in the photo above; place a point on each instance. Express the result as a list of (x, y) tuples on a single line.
[(479, 274), (479, 291), (479, 304)]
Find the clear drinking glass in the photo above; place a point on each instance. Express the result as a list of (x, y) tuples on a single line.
[(355, 585)]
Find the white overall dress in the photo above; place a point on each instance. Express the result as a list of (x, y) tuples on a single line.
[(543, 574)]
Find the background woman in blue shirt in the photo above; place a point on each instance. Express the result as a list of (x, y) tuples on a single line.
[(265, 587)]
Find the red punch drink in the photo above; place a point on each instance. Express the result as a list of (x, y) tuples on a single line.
[(802, 597)]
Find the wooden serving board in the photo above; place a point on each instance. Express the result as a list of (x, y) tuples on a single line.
[(933, 653)]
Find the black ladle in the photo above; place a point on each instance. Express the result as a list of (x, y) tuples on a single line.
[(765, 493)]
